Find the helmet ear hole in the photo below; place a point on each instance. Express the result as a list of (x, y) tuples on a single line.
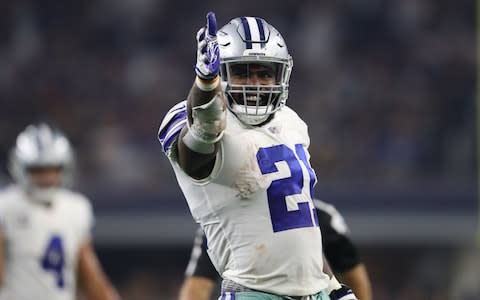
[(247, 43)]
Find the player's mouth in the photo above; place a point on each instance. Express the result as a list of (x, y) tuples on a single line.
[(254, 100)]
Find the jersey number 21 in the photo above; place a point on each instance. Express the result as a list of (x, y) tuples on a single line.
[(282, 218)]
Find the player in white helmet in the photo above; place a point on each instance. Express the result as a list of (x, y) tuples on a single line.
[(45, 245), (241, 158)]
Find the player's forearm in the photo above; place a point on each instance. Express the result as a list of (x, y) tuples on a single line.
[(203, 91), (206, 118), (93, 282), (357, 278), (206, 110)]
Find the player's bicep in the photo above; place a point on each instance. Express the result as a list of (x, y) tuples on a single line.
[(196, 165)]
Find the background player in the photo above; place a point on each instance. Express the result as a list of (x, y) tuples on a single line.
[(201, 276), (245, 170), (45, 244)]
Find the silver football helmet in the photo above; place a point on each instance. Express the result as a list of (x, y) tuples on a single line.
[(255, 68), (40, 146)]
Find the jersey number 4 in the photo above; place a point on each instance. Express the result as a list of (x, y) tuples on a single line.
[(279, 189), (54, 259)]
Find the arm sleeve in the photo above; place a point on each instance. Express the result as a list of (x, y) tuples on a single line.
[(339, 249), (200, 264)]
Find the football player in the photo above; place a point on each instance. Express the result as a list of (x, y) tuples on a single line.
[(241, 158), (45, 244), (201, 276)]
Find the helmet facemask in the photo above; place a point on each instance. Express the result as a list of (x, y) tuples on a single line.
[(44, 182), (255, 69), (254, 88)]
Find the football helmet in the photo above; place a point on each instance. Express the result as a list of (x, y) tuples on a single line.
[(255, 68), (40, 146)]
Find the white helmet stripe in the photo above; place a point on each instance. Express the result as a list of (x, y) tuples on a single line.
[(254, 32)]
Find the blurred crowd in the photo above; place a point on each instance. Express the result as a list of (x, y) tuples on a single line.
[(386, 86)]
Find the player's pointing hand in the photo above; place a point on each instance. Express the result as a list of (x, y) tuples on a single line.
[(208, 54)]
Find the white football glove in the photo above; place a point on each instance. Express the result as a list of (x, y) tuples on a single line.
[(208, 54)]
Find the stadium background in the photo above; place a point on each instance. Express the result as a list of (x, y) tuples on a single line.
[(386, 86)]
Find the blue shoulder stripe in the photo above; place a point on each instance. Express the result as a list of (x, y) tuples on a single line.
[(174, 121)]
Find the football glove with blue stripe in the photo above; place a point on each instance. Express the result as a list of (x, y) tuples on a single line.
[(208, 54)]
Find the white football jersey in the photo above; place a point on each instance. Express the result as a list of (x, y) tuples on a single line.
[(42, 244), (256, 207)]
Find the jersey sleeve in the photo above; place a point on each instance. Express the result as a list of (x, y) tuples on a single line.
[(85, 219), (172, 124), (338, 247), (200, 264), (301, 127)]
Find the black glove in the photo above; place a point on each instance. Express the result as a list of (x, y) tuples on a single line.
[(343, 293)]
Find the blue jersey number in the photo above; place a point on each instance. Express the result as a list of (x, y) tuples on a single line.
[(282, 219), (54, 259)]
